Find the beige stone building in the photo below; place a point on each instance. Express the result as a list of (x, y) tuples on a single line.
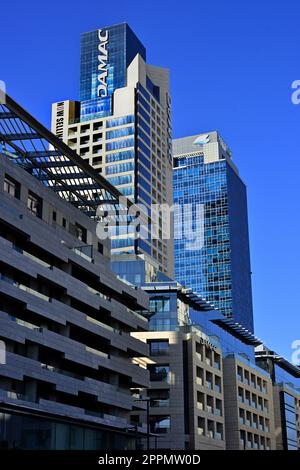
[(186, 389), (249, 412)]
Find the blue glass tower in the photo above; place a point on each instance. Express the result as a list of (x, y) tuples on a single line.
[(218, 268), (105, 55)]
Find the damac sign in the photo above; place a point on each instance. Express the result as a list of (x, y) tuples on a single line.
[(102, 63)]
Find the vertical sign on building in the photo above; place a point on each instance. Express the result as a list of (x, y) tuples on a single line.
[(102, 63)]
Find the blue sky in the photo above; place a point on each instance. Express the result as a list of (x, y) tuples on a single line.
[(232, 64)]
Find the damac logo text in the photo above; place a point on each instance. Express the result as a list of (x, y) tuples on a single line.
[(102, 63)]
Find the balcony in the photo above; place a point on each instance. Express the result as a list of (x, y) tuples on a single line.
[(199, 381), (26, 324), (32, 257), (96, 352), (156, 403), (103, 325), (24, 288)]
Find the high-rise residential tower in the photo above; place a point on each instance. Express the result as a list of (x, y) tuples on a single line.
[(207, 185), (122, 127)]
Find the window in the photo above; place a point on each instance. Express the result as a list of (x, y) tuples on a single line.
[(64, 222), (160, 424), (125, 155), (201, 426), (209, 404), (219, 431), (240, 373), (97, 160), (34, 204), (217, 363), (159, 398), (12, 187), (119, 144), (123, 132), (209, 380), (218, 386), (80, 233), (120, 121), (100, 248), (159, 373), (54, 216), (210, 429), (208, 356), (119, 168), (199, 350), (199, 375), (200, 401), (159, 347), (160, 304)]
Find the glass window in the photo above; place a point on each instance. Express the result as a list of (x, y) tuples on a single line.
[(124, 131), (160, 424), (161, 304), (120, 121), (119, 144), (117, 156), (81, 233), (12, 187), (34, 204), (123, 179), (158, 347), (120, 168)]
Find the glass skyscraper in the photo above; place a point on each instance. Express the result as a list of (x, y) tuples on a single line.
[(122, 127), (218, 267)]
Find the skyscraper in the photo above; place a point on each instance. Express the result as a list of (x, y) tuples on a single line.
[(218, 269), (122, 127)]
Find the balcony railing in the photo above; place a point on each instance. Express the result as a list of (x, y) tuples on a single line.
[(155, 403), (96, 352)]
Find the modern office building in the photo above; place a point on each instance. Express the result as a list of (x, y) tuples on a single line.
[(206, 392), (186, 388), (286, 390), (65, 319), (122, 127), (211, 228)]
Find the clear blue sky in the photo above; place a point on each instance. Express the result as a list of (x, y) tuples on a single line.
[(232, 64)]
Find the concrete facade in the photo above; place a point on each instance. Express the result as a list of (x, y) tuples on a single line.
[(65, 319)]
